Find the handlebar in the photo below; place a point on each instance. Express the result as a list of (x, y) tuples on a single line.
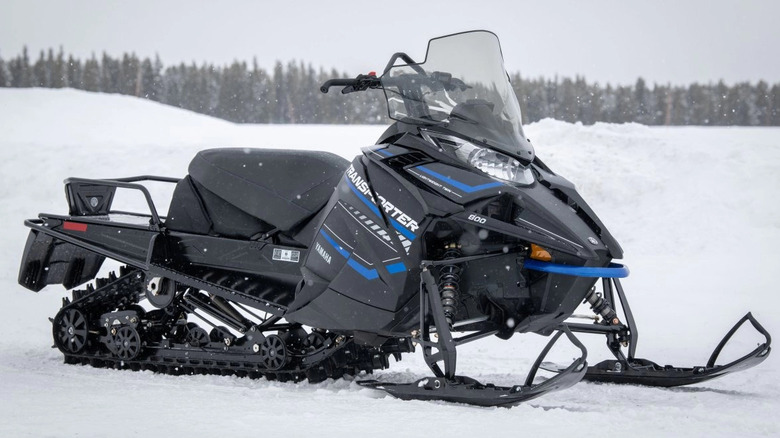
[(337, 83), (364, 82), (360, 83)]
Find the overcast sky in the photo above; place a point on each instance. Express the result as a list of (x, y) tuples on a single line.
[(663, 41)]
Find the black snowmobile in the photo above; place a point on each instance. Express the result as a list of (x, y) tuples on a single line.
[(296, 265)]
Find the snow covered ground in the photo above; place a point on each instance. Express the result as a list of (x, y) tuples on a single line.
[(696, 210)]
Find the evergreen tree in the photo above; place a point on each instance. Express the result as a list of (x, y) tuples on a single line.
[(593, 105), (173, 82), (21, 74), (774, 105), (624, 105), (235, 94), (109, 74), (641, 102), (568, 107), (74, 72), (5, 74), (59, 70), (280, 101), (260, 85), (41, 73), (91, 79), (763, 102), (151, 83), (191, 77), (129, 75), (698, 101), (663, 102), (720, 105)]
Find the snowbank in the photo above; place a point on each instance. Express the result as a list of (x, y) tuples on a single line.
[(695, 209)]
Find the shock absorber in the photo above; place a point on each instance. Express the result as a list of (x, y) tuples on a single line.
[(600, 306), (449, 283)]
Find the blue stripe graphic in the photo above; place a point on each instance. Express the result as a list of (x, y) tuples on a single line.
[(401, 229), (335, 245), (396, 268), (462, 186), (360, 196), (385, 152), (367, 273)]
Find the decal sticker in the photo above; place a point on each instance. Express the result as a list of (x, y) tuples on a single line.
[(287, 255), (403, 224)]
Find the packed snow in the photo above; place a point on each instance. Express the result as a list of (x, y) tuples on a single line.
[(695, 209)]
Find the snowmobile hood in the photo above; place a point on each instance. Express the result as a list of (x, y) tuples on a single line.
[(461, 87)]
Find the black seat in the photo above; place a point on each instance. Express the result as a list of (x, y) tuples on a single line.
[(278, 187)]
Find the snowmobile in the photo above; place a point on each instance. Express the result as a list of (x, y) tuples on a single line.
[(296, 265)]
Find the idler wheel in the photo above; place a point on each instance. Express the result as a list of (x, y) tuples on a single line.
[(127, 343), (160, 292), (273, 353), (70, 331)]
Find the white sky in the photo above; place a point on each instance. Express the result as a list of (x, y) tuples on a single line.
[(663, 41)]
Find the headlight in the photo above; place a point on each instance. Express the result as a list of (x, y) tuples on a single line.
[(493, 163)]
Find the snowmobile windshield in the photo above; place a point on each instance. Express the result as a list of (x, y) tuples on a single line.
[(461, 87)]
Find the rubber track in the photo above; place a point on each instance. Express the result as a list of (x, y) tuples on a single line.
[(177, 359)]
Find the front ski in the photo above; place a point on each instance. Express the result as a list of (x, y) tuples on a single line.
[(644, 372), (627, 368), (461, 389)]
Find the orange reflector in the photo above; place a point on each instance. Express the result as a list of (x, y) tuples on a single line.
[(539, 253)]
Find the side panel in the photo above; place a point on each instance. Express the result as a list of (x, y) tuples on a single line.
[(363, 263)]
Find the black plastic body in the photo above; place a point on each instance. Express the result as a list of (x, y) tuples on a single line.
[(346, 255)]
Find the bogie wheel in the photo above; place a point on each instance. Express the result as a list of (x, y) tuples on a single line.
[(222, 335), (196, 336), (314, 341), (273, 353), (127, 343), (70, 331)]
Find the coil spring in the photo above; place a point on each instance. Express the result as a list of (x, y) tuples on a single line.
[(600, 306), (449, 285)]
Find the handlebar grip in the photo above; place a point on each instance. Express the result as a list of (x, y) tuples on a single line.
[(337, 83)]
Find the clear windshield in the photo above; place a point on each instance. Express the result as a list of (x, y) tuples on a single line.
[(463, 87)]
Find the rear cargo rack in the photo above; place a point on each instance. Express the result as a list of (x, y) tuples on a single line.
[(91, 197)]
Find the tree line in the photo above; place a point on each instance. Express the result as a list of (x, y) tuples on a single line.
[(246, 93)]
